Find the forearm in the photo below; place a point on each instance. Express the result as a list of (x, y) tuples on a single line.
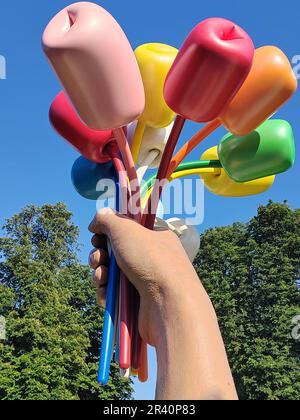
[(192, 361), (176, 315)]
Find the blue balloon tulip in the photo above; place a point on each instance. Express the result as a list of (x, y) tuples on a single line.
[(94, 181)]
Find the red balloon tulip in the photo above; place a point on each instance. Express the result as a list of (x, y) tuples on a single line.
[(90, 143), (209, 70)]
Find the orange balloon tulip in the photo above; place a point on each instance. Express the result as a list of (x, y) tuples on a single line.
[(270, 84)]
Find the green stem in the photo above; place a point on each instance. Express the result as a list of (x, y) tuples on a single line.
[(200, 164)]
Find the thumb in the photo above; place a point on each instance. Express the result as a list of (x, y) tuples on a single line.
[(107, 222), (103, 222)]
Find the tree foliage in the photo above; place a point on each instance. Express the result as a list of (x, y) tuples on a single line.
[(51, 351), (53, 323), (252, 273)]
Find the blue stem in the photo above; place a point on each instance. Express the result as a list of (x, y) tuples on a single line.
[(110, 316)]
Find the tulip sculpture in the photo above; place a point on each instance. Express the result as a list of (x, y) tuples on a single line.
[(124, 111)]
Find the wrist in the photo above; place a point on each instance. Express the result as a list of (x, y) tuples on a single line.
[(189, 345), (177, 307)]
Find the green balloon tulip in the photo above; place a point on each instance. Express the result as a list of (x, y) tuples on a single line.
[(269, 150)]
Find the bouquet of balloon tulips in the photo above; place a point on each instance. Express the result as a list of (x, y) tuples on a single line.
[(124, 112)]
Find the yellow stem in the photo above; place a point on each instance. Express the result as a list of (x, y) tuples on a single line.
[(183, 174), (137, 141)]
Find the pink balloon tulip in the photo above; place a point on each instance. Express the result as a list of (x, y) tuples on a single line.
[(96, 65)]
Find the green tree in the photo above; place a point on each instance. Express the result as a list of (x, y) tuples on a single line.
[(252, 273), (52, 320)]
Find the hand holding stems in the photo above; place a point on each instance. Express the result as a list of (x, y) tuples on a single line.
[(192, 362)]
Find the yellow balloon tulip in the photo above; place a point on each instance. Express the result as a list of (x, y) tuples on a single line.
[(155, 61), (220, 184)]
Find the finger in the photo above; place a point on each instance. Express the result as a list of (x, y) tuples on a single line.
[(101, 296), (100, 277), (98, 257), (99, 241), (102, 222), (108, 222)]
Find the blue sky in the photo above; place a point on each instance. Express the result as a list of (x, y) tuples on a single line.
[(35, 164)]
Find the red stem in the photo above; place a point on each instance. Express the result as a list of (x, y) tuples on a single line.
[(125, 313), (153, 201), (131, 171)]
